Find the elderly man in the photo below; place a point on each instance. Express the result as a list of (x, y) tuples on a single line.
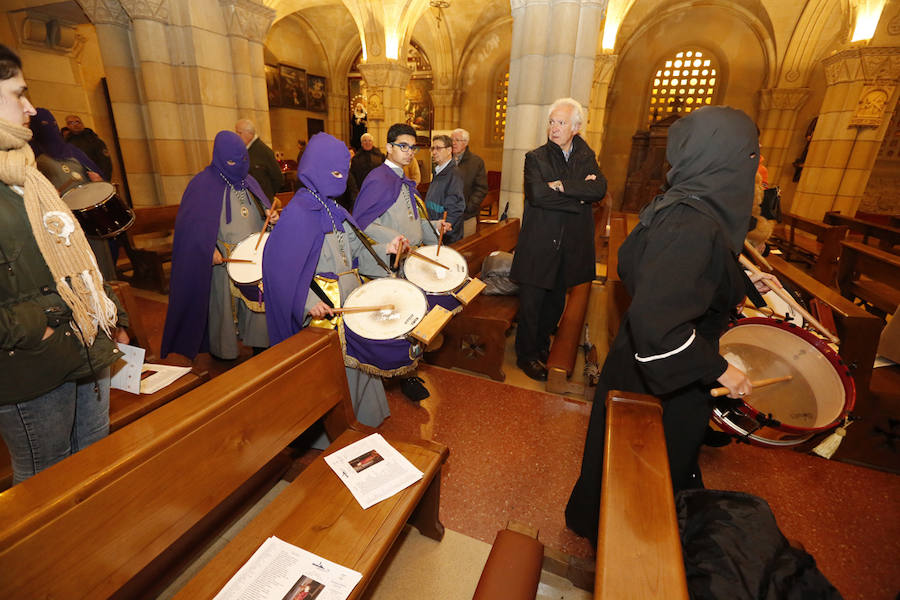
[(365, 160), (263, 166), (445, 194), (474, 178), (556, 244), (86, 140)]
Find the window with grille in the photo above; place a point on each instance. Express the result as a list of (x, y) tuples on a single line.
[(501, 89), (683, 83)]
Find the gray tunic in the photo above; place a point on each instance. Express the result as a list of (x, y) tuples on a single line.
[(399, 219), (230, 318), (366, 391)]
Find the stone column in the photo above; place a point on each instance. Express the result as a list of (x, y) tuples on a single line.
[(861, 94), (338, 123), (604, 66), (386, 81), (114, 36), (248, 23), (777, 120), (445, 100), (552, 56), (168, 152)]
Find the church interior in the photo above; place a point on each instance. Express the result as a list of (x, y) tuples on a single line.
[(158, 79)]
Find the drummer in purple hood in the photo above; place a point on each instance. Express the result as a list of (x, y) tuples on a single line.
[(312, 261), (221, 206)]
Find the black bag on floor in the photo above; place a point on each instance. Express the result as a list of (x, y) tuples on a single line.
[(495, 274)]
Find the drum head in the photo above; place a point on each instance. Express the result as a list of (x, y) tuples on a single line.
[(432, 278), (816, 396), (409, 303), (88, 195), (251, 272)]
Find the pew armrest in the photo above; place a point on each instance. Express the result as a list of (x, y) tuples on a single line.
[(513, 568)]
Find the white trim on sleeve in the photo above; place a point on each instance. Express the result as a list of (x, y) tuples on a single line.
[(670, 353)]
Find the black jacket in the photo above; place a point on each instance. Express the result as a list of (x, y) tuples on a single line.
[(95, 148), (264, 168), (445, 193), (558, 227), (474, 178)]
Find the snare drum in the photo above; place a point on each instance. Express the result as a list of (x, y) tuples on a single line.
[(246, 277), (451, 287), (378, 341), (818, 397), (99, 209)]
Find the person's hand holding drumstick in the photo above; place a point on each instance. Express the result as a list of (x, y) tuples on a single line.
[(736, 381)]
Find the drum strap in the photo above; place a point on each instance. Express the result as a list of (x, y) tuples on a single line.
[(318, 291), (424, 211), (368, 246)]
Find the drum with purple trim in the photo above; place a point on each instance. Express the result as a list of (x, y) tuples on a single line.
[(443, 285), (818, 397), (246, 269)]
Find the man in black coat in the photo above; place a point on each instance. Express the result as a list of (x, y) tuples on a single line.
[(362, 162), (87, 140), (555, 250), (474, 177), (263, 166)]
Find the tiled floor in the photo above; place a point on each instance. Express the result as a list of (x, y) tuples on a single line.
[(515, 453)]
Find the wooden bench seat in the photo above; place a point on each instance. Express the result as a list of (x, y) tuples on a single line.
[(888, 237), (118, 518), (870, 274), (149, 247), (475, 339), (820, 249)]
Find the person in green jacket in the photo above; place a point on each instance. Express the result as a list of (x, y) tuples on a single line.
[(58, 322)]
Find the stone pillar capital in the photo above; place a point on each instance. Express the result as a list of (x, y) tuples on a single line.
[(870, 64), (385, 73), (783, 98), (247, 18), (604, 64), (105, 12), (444, 97), (153, 10)]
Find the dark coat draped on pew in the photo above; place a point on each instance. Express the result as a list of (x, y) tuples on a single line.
[(679, 267)]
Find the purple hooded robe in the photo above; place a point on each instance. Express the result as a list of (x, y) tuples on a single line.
[(292, 251), (196, 231), (48, 140)]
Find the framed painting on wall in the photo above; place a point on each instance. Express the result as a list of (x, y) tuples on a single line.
[(318, 100), (273, 86), (293, 87)]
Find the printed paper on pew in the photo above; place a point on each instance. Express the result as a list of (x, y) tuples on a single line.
[(373, 470), (281, 571), (126, 372), (156, 377)]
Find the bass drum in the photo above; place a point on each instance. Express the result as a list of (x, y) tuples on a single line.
[(99, 209), (818, 397)]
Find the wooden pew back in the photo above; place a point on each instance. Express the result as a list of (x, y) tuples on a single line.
[(888, 237), (639, 547), (87, 526), (870, 274), (822, 253), (496, 236)]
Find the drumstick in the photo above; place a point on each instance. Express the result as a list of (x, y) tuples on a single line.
[(441, 236), (238, 260), (275, 204), (766, 310), (784, 295), (759, 258), (355, 309), (427, 259), (723, 391)]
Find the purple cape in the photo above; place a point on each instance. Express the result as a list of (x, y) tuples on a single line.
[(196, 231), (294, 246), (379, 191), (48, 140)]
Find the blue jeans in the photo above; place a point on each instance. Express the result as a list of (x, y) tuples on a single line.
[(43, 431)]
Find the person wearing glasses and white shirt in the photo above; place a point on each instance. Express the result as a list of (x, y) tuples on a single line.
[(445, 194), (386, 207)]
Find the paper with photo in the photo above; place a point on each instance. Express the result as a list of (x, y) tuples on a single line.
[(156, 377), (373, 470), (126, 372), (282, 571)]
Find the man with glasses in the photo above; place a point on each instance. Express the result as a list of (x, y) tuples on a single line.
[(446, 190), (555, 250), (474, 178), (386, 207)]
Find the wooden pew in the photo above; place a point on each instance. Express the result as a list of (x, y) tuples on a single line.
[(564, 349), (639, 547), (475, 338), (857, 329), (888, 237), (149, 246), (118, 517), (617, 298), (821, 252), (870, 274)]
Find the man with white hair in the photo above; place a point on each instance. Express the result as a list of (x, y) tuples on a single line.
[(368, 157), (474, 177), (555, 250), (263, 166)]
